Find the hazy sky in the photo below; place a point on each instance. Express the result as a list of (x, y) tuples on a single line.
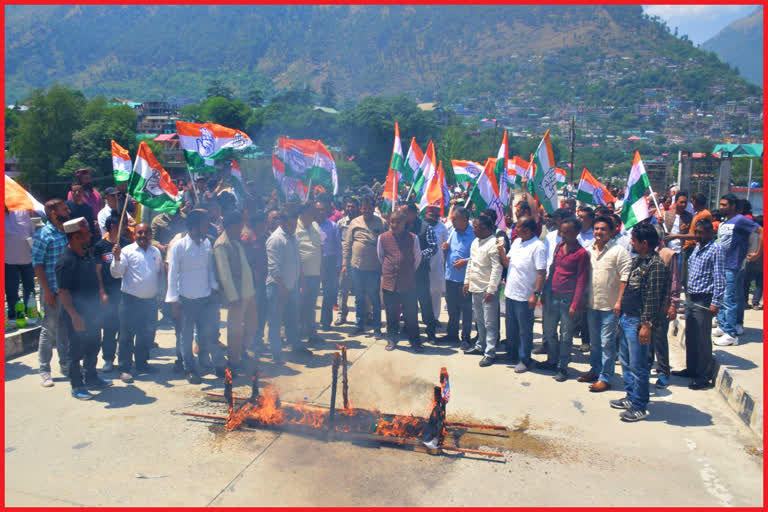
[(699, 22)]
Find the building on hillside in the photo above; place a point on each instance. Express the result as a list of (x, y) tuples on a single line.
[(172, 157), (157, 117)]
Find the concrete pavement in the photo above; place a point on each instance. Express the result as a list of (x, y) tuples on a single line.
[(131, 447)]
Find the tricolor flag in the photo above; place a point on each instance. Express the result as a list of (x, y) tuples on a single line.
[(17, 198), (412, 162), (561, 175), (592, 191), (501, 173), (308, 161), (635, 208), (394, 175), (203, 144), (485, 193), (121, 163), (436, 189), (237, 179), (517, 168), (151, 185), (291, 187), (426, 171), (466, 170), (545, 179)]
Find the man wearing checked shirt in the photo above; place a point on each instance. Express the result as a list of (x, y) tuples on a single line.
[(704, 295)]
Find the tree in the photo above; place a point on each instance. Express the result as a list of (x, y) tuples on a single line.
[(229, 113), (43, 141), (328, 92), (217, 88), (256, 98)]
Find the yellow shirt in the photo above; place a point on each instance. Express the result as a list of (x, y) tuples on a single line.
[(310, 248)]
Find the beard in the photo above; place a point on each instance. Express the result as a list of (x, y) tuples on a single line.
[(61, 219)]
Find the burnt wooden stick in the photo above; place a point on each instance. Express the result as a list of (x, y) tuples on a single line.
[(202, 415), (228, 396), (344, 381), (467, 450), (254, 385), (334, 381)]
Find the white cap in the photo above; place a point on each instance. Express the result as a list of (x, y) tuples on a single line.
[(74, 225)]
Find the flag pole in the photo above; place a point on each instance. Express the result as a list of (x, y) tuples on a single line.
[(653, 196), (125, 204), (309, 191), (411, 189)]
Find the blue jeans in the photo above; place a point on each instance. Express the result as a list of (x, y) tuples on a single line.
[(202, 314), (487, 318), (634, 362), (367, 283), (559, 350), (733, 302), (602, 343), (519, 323), (282, 309)]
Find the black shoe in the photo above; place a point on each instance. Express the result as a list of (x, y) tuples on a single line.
[(448, 339), (193, 378), (701, 384), (178, 366), (419, 348), (541, 349), (474, 351), (561, 376), (486, 361), (546, 365), (583, 348), (358, 331), (464, 346), (621, 403), (682, 373), (144, 369)]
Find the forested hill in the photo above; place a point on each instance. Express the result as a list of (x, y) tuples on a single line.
[(740, 44), (538, 55)]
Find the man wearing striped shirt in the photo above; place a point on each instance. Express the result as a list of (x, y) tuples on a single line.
[(704, 295)]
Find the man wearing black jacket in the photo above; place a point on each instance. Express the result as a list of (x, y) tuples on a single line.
[(428, 244)]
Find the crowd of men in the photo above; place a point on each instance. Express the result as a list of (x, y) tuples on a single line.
[(104, 279)]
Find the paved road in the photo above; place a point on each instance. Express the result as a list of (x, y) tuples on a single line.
[(568, 447)]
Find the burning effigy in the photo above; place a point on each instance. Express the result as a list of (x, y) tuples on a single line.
[(264, 409)]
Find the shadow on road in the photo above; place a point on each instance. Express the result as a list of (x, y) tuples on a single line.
[(117, 397), (733, 361), (681, 415), (17, 370)]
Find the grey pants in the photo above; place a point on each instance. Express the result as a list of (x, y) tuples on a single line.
[(51, 334), (487, 318)]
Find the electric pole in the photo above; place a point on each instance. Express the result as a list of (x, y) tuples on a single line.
[(573, 141)]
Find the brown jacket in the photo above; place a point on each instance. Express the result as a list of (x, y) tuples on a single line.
[(359, 249), (398, 262)]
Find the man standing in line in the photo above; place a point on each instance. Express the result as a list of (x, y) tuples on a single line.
[(109, 290), (352, 210), (437, 263), (642, 305), (236, 281), (140, 266), (361, 260), (311, 250), (331, 260), (569, 276), (704, 295), (111, 196), (47, 245), (191, 291), (18, 259), (551, 239), (482, 281), (428, 244), (283, 274), (526, 263), (733, 236), (608, 278), (457, 250), (400, 254), (90, 195), (79, 296), (254, 241), (699, 202)]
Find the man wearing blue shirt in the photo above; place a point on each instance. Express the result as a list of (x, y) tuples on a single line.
[(456, 255)]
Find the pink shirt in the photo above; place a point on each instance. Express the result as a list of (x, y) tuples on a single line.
[(92, 199), (571, 275)]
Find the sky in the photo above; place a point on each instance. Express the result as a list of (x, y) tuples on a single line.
[(699, 22)]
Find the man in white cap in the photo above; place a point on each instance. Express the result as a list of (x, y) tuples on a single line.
[(79, 296)]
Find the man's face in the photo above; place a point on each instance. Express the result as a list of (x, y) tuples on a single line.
[(432, 215), (77, 194), (586, 220), (725, 207), (86, 180), (352, 210), (272, 222), (460, 223), (143, 235), (410, 216), (508, 219), (289, 225), (323, 211), (480, 230), (112, 200), (396, 224), (524, 233), (61, 212), (681, 204), (639, 247), (602, 232), (202, 185), (366, 209), (703, 236), (568, 233)]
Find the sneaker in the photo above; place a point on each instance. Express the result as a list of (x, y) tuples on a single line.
[(717, 332), (98, 382), (45, 380), (81, 394), (108, 366), (486, 361), (633, 415), (725, 340), (464, 346), (521, 367), (662, 382), (474, 351), (126, 377), (193, 378), (739, 330), (431, 444), (561, 376), (621, 403)]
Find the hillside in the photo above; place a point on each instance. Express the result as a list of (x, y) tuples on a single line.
[(740, 44), (540, 56)]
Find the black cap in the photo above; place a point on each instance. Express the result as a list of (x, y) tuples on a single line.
[(111, 191)]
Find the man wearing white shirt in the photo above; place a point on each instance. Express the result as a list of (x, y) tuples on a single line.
[(437, 262), (526, 263), (482, 281), (191, 286), (110, 194), (140, 266)]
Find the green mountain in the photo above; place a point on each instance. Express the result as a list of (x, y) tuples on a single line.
[(541, 56), (740, 44)]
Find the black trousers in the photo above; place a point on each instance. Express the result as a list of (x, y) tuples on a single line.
[(392, 305), (138, 319), (83, 346), (110, 327), (14, 274), (459, 309), (659, 346), (425, 302), (698, 337)]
